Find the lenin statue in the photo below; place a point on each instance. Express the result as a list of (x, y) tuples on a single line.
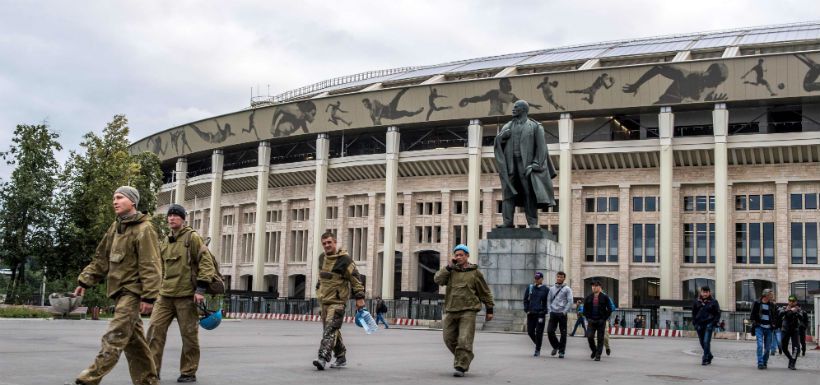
[(524, 167)]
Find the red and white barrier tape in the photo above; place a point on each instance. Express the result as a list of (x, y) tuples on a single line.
[(619, 331)]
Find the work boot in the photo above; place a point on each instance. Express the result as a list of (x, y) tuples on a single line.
[(458, 373), (554, 352), (320, 364), (341, 362), (608, 351), (186, 378)]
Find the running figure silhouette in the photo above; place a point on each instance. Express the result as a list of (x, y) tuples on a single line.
[(176, 135), (336, 108), (251, 125), (431, 101), (155, 144), (379, 111), (546, 87), (759, 80), (221, 134), (604, 80), (499, 98), (686, 85), (810, 82)]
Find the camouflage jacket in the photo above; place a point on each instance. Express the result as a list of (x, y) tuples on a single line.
[(177, 253), (337, 276), (128, 258), (466, 289)]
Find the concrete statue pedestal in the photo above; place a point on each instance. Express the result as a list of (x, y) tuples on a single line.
[(509, 258)]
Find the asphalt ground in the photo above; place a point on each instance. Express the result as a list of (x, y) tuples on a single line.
[(34, 352)]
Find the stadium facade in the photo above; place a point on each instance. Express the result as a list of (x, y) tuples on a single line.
[(683, 161)]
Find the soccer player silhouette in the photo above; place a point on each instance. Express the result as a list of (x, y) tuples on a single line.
[(251, 125), (336, 108), (499, 98), (759, 80), (810, 82), (222, 133), (379, 111), (431, 101), (604, 80)]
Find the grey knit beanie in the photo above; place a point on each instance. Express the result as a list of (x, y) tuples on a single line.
[(131, 193)]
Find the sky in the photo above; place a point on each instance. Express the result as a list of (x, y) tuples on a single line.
[(74, 65)]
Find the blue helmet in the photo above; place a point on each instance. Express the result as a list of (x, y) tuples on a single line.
[(211, 319)]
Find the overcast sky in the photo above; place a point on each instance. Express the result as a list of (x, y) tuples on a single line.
[(164, 63)]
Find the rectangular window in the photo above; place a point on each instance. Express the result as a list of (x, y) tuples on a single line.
[(600, 243), (651, 237), (601, 204), (796, 202), (589, 205), (428, 208), (613, 242), (438, 208), (754, 243), (797, 243), (457, 235), (649, 204), (437, 233), (711, 243), (400, 234), (381, 234), (419, 208), (768, 243), (688, 243), (768, 202), (711, 203), (637, 204), (811, 243), (613, 204), (811, 202), (740, 203), (589, 250), (701, 239), (381, 209), (688, 203), (740, 243), (419, 235), (700, 203), (457, 207), (637, 243), (754, 202)]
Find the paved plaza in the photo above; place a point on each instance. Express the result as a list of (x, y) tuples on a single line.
[(280, 352)]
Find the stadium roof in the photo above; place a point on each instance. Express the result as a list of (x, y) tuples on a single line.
[(701, 41)]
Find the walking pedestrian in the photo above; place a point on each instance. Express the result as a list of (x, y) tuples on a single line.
[(792, 317), (183, 286), (338, 277), (597, 311), (705, 316), (804, 325), (777, 334), (466, 291), (128, 258), (580, 320), (381, 310), (763, 311), (535, 305), (559, 304)]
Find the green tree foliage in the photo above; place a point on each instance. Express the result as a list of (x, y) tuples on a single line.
[(28, 209)]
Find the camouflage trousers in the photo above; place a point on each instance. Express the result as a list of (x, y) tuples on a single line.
[(459, 331), (124, 334), (184, 310), (332, 318)]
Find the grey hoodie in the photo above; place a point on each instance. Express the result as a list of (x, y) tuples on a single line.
[(559, 300)]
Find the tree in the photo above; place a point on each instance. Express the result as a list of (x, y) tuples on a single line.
[(28, 210)]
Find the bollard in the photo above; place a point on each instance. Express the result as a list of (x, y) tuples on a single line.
[(95, 313)]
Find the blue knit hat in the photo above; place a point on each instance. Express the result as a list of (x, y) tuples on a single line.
[(463, 248)]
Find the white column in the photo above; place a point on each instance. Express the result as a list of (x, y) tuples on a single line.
[(720, 122), (215, 219), (262, 175), (390, 217), (320, 208), (666, 123), (565, 134), (474, 134), (181, 176), (284, 256)]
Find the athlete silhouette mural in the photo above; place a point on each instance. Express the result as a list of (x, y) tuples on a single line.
[(155, 144), (759, 80), (379, 111), (604, 80), (431, 101), (546, 87), (291, 118), (686, 85), (499, 98), (251, 125), (222, 133), (335, 109), (810, 83), (176, 135)]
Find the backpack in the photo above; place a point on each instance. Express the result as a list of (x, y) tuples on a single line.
[(217, 284)]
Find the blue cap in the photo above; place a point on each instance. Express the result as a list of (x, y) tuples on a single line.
[(463, 248)]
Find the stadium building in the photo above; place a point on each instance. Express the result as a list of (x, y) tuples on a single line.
[(683, 161)]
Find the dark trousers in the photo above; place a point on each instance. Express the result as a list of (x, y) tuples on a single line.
[(794, 338), (802, 333), (596, 328), (705, 339), (578, 322), (535, 329), (559, 320)]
